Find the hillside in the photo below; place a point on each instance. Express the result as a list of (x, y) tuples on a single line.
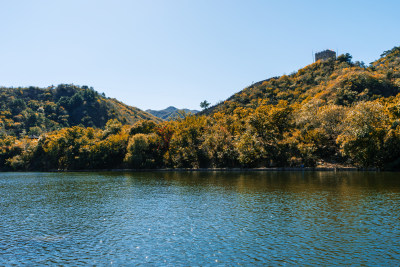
[(170, 112), (330, 113), (32, 110), (340, 82)]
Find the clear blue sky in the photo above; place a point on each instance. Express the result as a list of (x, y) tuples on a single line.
[(157, 53)]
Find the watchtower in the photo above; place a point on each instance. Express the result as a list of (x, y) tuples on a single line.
[(325, 55)]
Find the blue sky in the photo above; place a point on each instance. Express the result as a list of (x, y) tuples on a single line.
[(157, 53)]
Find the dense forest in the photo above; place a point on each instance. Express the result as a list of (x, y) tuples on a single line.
[(32, 111), (330, 112)]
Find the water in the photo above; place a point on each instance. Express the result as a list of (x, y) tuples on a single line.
[(173, 219)]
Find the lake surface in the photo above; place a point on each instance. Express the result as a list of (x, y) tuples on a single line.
[(200, 218)]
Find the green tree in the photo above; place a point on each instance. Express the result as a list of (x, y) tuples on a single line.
[(143, 151), (204, 104)]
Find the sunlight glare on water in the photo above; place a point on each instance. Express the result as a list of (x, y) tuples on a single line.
[(200, 218)]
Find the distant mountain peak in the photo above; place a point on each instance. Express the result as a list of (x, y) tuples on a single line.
[(170, 112), (171, 108)]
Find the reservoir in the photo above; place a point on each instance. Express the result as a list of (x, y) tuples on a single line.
[(200, 218)]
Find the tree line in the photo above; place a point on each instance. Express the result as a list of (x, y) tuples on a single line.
[(365, 135), (335, 111)]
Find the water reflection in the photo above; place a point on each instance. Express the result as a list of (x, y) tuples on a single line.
[(200, 218)]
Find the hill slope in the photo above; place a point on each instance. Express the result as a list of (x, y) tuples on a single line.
[(170, 112), (34, 110), (330, 113), (340, 82)]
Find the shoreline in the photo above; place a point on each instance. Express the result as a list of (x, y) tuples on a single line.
[(280, 169)]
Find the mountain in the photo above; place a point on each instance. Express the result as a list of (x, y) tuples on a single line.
[(34, 110), (170, 112), (336, 81)]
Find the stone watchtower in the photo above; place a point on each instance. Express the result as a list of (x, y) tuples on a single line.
[(325, 55)]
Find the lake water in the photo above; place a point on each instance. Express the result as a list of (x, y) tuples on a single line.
[(200, 218)]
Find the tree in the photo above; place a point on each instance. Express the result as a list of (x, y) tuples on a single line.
[(113, 126), (204, 104), (345, 58), (271, 125), (143, 152), (363, 137)]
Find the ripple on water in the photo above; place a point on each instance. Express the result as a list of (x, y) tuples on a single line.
[(200, 218)]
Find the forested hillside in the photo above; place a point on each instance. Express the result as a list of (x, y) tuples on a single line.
[(329, 113), (334, 82), (33, 111)]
